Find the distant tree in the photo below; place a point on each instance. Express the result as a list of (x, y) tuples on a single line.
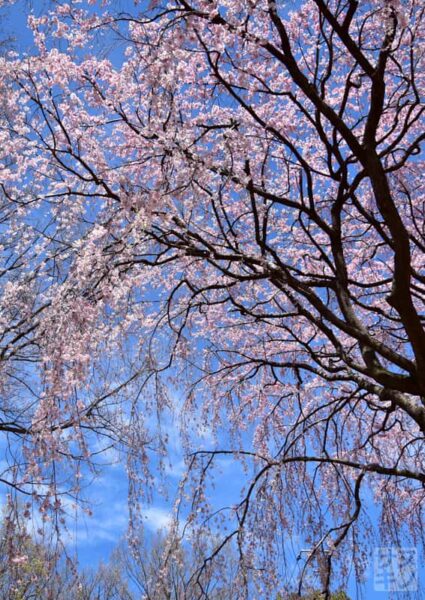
[(162, 569), (107, 582), (315, 595), (27, 567), (170, 568)]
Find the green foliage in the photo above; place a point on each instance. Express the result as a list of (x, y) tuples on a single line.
[(314, 595)]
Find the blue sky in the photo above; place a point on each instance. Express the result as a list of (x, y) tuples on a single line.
[(93, 538)]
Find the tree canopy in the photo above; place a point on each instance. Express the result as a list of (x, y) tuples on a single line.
[(223, 199)]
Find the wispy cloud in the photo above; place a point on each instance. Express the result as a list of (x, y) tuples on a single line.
[(156, 518)]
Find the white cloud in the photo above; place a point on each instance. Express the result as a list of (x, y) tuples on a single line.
[(175, 469), (157, 518), (108, 524)]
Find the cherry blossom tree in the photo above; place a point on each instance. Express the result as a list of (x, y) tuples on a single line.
[(230, 200)]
